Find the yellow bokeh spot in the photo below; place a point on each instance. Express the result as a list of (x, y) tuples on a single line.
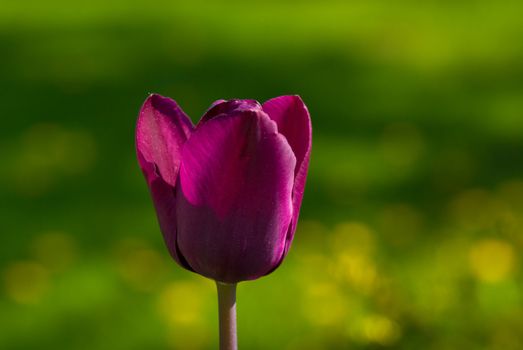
[(353, 244), (324, 304), (55, 250), (491, 260), (142, 267), (352, 237), (182, 303), (183, 306), (357, 270), (26, 282), (380, 329)]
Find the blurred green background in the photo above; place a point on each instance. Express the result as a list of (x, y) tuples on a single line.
[(412, 224)]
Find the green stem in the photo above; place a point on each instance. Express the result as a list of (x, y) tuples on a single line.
[(227, 315)]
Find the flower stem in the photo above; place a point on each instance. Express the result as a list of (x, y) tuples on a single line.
[(227, 315)]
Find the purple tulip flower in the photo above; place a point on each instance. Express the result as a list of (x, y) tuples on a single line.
[(227, 192)]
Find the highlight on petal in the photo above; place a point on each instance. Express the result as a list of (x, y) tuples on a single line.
[(217, 102), (293, 120), (234, 202), (161, 131)]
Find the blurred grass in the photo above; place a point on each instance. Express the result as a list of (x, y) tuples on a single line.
[(411, 227)]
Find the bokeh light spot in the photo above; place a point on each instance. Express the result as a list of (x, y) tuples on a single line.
[(491, 260), (142, 267), (380, 329), (26, 282), (183, 305), (353, 237), (357, 270), (324, 304)]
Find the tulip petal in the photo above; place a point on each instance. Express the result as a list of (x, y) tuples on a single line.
[(227, 107), (293, 120), (161, 131), (234, 197)]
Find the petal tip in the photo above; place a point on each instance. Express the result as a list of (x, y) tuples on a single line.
[(163, 104)]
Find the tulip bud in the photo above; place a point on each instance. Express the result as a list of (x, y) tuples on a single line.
[(227, 192)]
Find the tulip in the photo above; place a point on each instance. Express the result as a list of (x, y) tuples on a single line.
[(228, 191)]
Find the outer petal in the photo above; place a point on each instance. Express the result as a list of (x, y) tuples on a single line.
[(293, 119), (161, 131), (234, 197)]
